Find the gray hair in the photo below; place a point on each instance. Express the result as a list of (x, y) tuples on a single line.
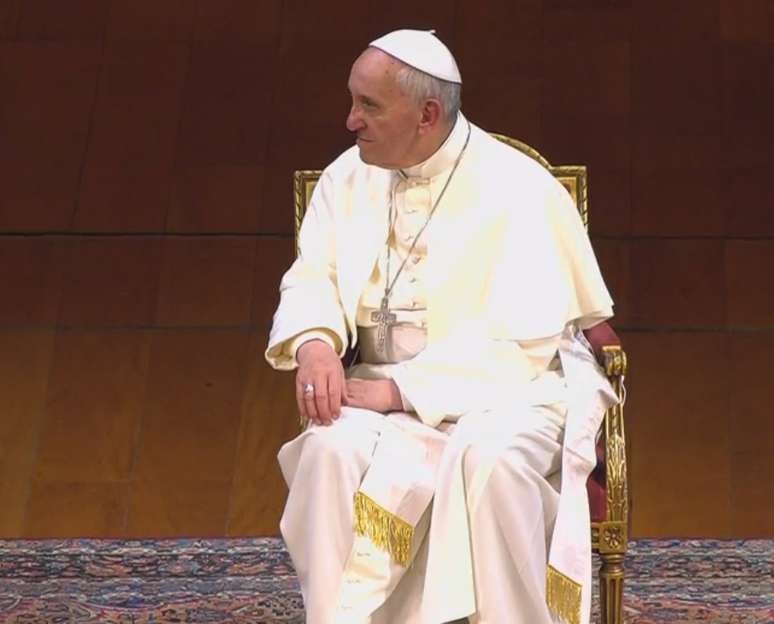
[(420, 86)]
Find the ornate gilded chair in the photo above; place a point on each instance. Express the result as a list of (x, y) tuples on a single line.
[(607, 484)]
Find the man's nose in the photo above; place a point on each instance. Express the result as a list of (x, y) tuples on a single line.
[(354, 121)]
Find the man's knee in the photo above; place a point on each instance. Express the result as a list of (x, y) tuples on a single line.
[(327, 442), (339, 442)]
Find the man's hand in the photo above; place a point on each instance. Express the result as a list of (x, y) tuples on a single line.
[(320, 367), (379, 395)]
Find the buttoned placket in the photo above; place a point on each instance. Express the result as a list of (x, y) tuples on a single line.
[(413, 207)]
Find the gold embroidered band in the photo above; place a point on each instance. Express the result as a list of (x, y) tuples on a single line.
[(386, 530), (563, 596)]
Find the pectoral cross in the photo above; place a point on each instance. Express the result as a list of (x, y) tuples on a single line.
[(384, 318)]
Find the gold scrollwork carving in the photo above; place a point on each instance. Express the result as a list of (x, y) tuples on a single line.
[(612, 537), (615, 360), (617, 491), (615, 448)]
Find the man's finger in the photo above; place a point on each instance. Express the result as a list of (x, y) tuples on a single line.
[(334, 396), (351, 393), (321, 400), (311, 408), (343, 387), (300, 401)]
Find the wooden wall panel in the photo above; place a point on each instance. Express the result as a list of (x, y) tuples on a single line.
[(146, 219), (587, 87), (188, 435), (748, 90), (9, 18), (95, 396), (676, 107), (749, 297), (516, 109), (671, 174), (48, 90), (216, 198), (613, 256), (680, 452), (227, 96), (244, 21), (676, 87), (750, 20), (587, 62), (25, 361), (127, 170), (206, 281), (191, 416), (747, 82), (42, 20), (438, 15), (151, 20), (124, 271), (612, 200), (258, 492), (181, 508), (752, 491), (77, 509), (750, 435), (677, 283), (316, 96), (31, 277), (747, 196)]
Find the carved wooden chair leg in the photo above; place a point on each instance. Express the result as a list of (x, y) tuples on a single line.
[(611, 580)]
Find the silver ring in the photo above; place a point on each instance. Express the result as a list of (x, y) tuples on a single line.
[(308, 389)]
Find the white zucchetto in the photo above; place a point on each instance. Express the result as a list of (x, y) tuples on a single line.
[(422, 50)]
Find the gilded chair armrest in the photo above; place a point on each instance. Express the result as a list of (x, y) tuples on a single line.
[(616, 526), (614, 360)]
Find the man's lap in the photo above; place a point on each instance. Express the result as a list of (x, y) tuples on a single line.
[(521, 437)]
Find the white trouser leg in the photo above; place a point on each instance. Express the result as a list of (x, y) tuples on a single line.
[(511, 518), (323, 468)]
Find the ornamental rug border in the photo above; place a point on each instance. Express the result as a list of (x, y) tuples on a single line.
[(251, 580)]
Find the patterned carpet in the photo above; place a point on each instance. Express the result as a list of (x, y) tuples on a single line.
[(252, 581)]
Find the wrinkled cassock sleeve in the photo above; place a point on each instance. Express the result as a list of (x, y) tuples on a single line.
[(309, 298)]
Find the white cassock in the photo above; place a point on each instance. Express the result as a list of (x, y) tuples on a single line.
[(472, 502)]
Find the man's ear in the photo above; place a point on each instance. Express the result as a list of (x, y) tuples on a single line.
[(432, 112)]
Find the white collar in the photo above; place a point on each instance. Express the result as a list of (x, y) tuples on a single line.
[(444, 157)]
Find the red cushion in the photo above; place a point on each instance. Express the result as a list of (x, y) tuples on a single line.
[(599, 336), (596, 486)]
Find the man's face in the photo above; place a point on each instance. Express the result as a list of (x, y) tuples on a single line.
[(385, 120)]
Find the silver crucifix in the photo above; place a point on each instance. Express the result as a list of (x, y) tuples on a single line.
[(384, 318)]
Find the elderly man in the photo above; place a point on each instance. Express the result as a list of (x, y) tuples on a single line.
[(443, 475)]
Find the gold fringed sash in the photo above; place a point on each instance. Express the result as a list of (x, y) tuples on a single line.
[(563, 596), (386, 530)]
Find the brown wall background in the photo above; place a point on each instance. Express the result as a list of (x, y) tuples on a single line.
[(146, 149)]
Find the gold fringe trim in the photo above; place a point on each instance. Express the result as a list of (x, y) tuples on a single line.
[(563, 596), (386, 530)]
